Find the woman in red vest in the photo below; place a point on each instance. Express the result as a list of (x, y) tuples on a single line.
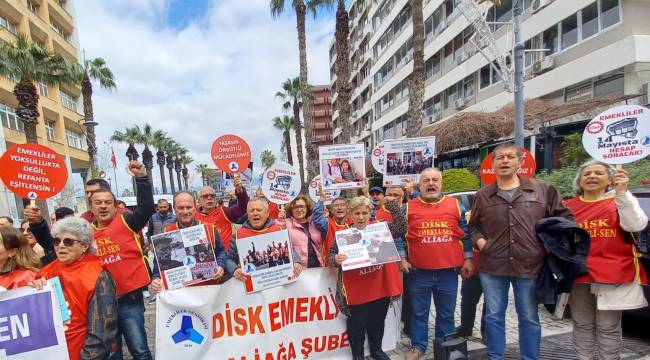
[(18, 262), (307, 228), (607, 210), (364, 294), (88, 289)]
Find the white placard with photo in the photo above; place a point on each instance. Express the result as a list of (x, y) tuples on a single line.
[(315, 194), (405, 158), (372, 245), (281, 183), (185, 257), (266, 260), (342, 166)]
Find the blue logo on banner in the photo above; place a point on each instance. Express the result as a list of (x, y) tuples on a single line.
[(26, 324), (187, 332)]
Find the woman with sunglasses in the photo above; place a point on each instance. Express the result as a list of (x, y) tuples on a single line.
[(87, 287), (18, 262)]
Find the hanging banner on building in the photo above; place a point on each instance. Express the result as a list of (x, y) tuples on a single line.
[(33, 171), (527, 168), (281, 183), (185, 257), (405, 158), (377, 157), (619, 135), (30, 325), (342, 166), (314, 192), (370, 246), (231, 153), (266, 260), (222, 322)]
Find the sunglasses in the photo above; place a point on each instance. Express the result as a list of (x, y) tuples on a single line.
[(209, 196), (66, 241)]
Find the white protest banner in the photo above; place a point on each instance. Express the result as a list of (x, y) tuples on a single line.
[(296, 321), (314, 193), (377, 157), (342, 166), (30, 325), (266, 260), (619, 135), (405, 158), (281, 183), (185, 257), (372, 245)]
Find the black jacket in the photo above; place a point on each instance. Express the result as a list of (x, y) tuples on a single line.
[(568, 247)]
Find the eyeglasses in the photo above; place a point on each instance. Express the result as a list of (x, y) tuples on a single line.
[(300, 207), (68, 242), (208, 196)]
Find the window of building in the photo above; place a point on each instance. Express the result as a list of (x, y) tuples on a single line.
[(589, 20), (449, 8), (503, 12), (75, 140), (11, 27), (550, 40), (496, 76), (484, 76), (468, 87), (612, 85), (432, 65), (609, 13), (68, 101), (49, 130), (9, 118), (458, 47), (32, 6), (578, 92), (449, 56), (569, 31), (431, 23), (42, 89)]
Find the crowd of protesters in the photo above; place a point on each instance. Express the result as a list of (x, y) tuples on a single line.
[(517, 226)]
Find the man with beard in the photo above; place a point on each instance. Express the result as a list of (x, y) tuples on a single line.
[(160, 219)]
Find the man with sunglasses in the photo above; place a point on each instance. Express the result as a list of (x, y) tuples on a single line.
[(220, 216)]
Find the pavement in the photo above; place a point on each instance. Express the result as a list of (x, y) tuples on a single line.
[(556, 337)]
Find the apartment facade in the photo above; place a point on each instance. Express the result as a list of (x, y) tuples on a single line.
[(322, 115), (596, 48), (51, 24)]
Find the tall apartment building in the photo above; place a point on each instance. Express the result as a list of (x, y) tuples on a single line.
[(595, 48), (322, 115), (51, 24)]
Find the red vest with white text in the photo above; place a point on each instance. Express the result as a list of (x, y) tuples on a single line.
[(16, 278), (243, 232), (119, 247), (332, 228), (78, 281), (219, 219), (611, 259), (434, 234)]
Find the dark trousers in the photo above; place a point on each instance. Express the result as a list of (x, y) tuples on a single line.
[(130, 324), (368, 319), (406, 304), (471, 292)]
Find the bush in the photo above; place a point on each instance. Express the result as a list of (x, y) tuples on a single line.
[(459, 180)]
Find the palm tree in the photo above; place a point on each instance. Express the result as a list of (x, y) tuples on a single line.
[(172, 151), (31, 63), (285, 123), (301, 7), (162, 144), (186, 160), (416, 80), (130, 136), (290, 94), (147, 136), (267, 159), (203, 169), (342, 34), (178, 165), (95, 69)]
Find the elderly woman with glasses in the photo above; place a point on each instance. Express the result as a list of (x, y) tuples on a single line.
[(18, 262), (609, 212), (307, 228), (87, 287)]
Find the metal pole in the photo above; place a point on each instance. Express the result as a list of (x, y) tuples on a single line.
[(517, 9), (117, 190)]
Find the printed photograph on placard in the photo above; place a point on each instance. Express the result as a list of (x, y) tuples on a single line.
[(266, 260), (342, 166), (373, 245), (406, 158), (184, 257), (314, 192)]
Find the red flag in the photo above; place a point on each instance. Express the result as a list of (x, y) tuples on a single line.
[(113, 158)]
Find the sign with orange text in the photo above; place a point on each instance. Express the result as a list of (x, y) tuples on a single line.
[(301, 321), (231, 153), (527, 168), (33, 171)]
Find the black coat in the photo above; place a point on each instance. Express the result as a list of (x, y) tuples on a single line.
[(568, 247)]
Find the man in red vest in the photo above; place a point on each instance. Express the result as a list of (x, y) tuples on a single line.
[(438, 246), (117, 238), (222, 217)]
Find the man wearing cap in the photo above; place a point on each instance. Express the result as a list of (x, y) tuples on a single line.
[(220, 216), (376, 195), (164, 254)]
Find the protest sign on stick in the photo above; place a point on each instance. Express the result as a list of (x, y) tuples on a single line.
[(342, 166), (404, 159), (281, 183), (314, 191), (378, 159), (231, 153)]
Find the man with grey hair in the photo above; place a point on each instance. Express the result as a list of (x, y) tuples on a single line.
[(503, 229), (438, 246)]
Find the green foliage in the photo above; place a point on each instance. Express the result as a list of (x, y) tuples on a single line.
[(459, 180), (573, 153)]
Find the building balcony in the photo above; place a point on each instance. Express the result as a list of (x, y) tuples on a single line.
[(61, 16)]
